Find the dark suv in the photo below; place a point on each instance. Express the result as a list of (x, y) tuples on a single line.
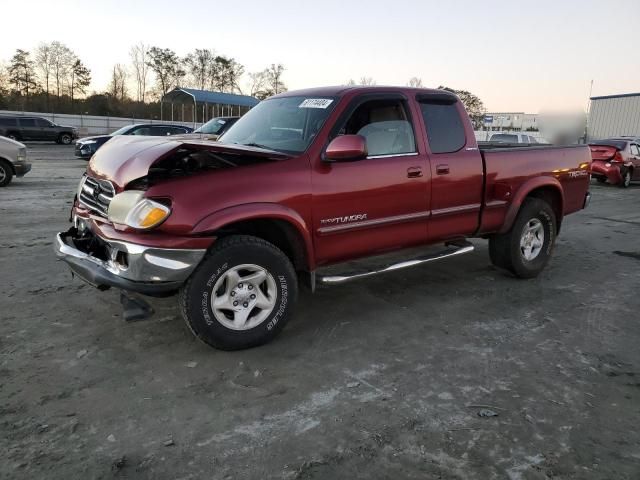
[(35, 128)]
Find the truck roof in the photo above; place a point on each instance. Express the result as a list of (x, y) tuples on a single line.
[(340, 90)]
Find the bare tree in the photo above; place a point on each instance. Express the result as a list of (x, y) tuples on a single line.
[(366, 81), (257, 83), (44, 66), (350, 83), (274, 78), (415, 82), (61, 60), (118, 84), (139, 59)]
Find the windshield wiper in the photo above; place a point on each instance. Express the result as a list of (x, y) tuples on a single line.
[(257, 145)]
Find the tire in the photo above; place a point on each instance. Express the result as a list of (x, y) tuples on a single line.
[(6, 173), (65, 138), (535, 227), (626, 178), (13, 136), (231, 260)]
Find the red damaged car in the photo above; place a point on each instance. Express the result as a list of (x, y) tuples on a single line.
[(303, 181), (616, 160)]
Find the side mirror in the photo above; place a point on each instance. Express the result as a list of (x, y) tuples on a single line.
[(346, 148)]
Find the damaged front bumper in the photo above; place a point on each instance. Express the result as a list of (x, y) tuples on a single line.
[(128, 266)]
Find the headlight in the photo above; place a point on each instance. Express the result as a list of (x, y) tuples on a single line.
[(132, 209), (22, 154)]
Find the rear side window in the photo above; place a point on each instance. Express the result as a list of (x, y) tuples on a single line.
[(445, 130), (635, 150), (8, 122), (27, 122)]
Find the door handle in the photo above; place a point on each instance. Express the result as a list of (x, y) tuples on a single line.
[(414, 172), (442, 169)]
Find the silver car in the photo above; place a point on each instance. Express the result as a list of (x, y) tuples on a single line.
[(13, 160)]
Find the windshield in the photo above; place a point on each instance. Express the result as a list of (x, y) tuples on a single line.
[(122, 131), (212, 127), (287, 124)]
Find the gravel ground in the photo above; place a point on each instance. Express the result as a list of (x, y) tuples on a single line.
[(384, 378)]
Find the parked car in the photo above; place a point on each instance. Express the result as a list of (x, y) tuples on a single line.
[(13, 160), (616, 160), (35, 128), (87, 146), (305, 180), (214, 128), (515, 137)]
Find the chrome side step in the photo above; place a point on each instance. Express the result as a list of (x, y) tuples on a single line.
[(453, 249)]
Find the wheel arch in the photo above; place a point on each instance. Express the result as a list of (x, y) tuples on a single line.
[(276, 224), (546, 188), (10, 163)]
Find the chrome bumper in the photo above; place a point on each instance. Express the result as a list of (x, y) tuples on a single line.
[(126, 265), (587, 200)]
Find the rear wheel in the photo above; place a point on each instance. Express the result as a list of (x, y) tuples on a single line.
[(526, 249), (6, 173), (626, 178), (241, 295)]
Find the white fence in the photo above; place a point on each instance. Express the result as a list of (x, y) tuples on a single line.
[(92, 124)]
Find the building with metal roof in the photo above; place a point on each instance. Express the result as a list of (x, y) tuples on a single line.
[(202, 105), (614, 116)]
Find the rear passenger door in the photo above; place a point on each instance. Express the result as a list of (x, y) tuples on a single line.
[(456, 167), (28, 129)]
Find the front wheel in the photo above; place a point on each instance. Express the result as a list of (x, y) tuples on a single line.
[(241, 295), (526, 249), (65, 139), (6, 174)]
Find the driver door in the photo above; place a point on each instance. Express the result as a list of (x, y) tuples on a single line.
[(379, 203)]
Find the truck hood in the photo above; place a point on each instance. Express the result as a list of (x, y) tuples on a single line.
[(126, 158)]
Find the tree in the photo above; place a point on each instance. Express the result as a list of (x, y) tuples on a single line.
[(225, 74), (258, 81), (274, 78), (415, 82), (22, 76), (200, 66), (367, 81), (44, 65), (139, 57), (351, 83), (61, 60), (118, 84), (472, 103), (80, 78), (166, 65)]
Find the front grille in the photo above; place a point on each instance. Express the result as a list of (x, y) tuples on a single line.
[(96, 195)]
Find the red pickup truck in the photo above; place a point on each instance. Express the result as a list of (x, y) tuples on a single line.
[(305, 180)]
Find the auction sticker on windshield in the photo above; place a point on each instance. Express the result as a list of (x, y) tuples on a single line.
[(316, 103)]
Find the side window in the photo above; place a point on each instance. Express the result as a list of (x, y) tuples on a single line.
[(159, 131), (445, 129), (8, 122), (142, 131), (386, 126), (27, 122), (176, 131), (41, 122), (635, 150)]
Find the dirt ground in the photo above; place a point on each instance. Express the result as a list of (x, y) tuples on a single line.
[(383, 378)]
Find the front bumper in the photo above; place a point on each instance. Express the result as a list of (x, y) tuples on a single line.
[(21, 169), (128, 266)]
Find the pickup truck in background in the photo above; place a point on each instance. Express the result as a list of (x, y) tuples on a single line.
[(305, 180)]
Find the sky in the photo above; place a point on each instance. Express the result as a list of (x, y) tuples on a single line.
[(516, 56)]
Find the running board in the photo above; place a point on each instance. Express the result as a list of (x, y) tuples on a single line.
[(455, 249)]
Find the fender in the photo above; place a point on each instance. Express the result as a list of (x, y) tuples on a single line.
[(253, 211), (525, 189)]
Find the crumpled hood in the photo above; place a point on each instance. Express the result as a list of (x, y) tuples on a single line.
[(94, 137), (126, 158)]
